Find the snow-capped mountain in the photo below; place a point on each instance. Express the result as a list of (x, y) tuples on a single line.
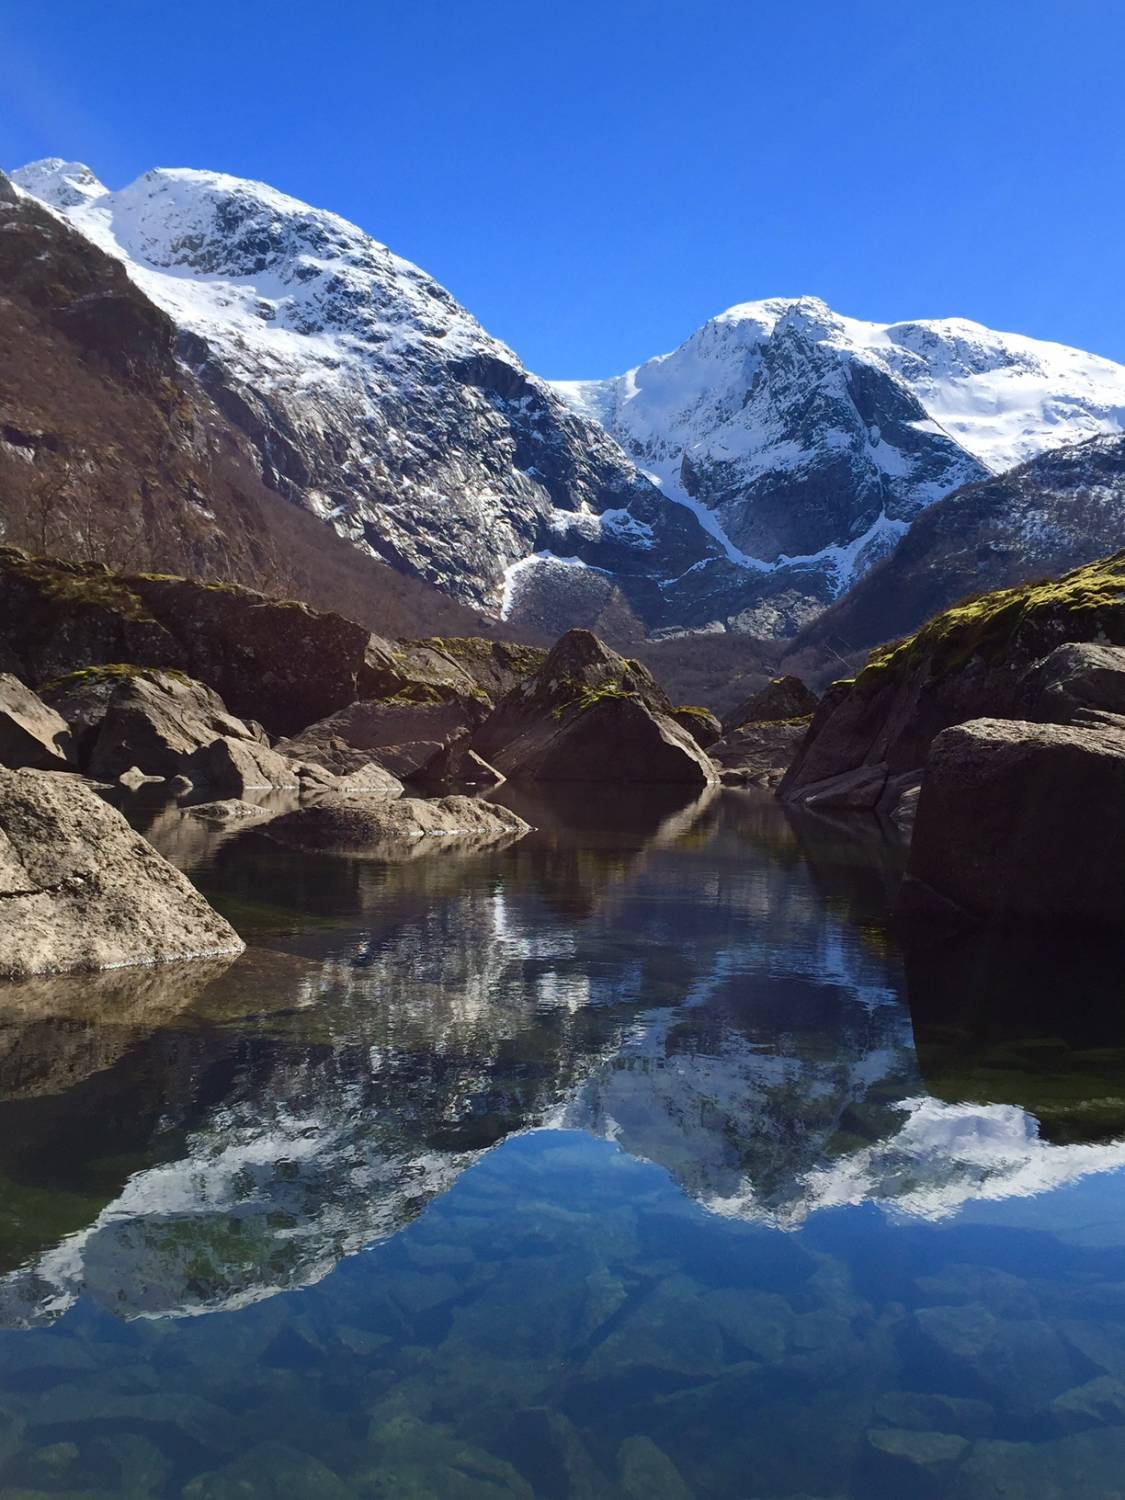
[(373, 397), (805, 439)]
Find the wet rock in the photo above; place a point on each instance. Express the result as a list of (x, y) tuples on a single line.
[(230, 810), (913, 1465), (369, 780), (241, 765), (158, 721), (783, 698), (1022, 821), (700, 723), (1085, 1466), (31, 733), (852, 791), (180, 786), (924, 1411), (81, 890), (369, 826), (271, 1471), (134, 778), (647, 1473), (413, 1458), (1021, 1363), (1098, 1403)]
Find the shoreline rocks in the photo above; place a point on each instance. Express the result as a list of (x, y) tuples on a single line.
[(32, 734), (342, 824), (79, 889)]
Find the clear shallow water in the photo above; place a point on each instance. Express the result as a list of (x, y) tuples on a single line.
[(643, 1158)]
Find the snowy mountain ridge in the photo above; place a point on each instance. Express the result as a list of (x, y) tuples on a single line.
[(742, 482)]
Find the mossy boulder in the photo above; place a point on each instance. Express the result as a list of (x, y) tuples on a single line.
[(783, 698), (972, 661)]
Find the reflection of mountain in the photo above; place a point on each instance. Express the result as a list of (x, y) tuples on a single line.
[(714, 995)]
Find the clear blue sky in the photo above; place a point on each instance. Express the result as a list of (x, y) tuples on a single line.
[(595, 179)]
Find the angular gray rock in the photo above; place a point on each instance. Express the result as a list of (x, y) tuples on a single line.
[(590, 715), (1075, 676), (31, 733), (783, 698), (455, 765), (395, 829), (1022, 821), (80, 890), (401, 735), (757, 754), (235, 766), (159, 721)]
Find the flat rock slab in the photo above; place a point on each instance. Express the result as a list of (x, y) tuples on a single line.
[(380, 829), (80, 890)]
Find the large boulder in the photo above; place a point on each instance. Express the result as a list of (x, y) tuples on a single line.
[(343, 824), (700, 723), (783, 698), (1022, 821), (987, 657), (31, 733), (160, 722), (456, 765), (236, 766), (1079, 675), (590, 715), (81, 890)]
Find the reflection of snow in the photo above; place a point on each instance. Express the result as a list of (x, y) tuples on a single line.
[(943, 1157)]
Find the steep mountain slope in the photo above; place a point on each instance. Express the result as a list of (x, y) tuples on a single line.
[(376, 401), (806, 439), (1047, 516), (112, 452)]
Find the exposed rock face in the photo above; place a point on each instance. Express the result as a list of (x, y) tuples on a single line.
[(700, 723), (466, 666), (432, 448), (31, 733), (1022, 821), (758, 754), (1080, 675), (456, 765), (979, 659), (783, 698), (80, 890), (370, 729), (368, 781), (1058, 512), (281, 663), (239, 765), (395, 829), (157, 721), (230, 810), (590, 715)]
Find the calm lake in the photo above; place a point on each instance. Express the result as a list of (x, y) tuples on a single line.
[(645, 1158)]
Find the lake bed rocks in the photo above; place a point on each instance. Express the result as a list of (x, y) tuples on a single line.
[(80, 890), (1022, 821), (32, 734)]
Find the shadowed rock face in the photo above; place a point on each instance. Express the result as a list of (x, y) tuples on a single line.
[(81, 890), (588, 714), (31, 733), (783, 698), (1022, 821)]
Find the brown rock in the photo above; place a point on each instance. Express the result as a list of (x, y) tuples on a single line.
[(31, 733), (81, 890), (1019, 820)]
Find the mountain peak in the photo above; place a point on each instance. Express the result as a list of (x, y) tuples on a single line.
[(62, 184)]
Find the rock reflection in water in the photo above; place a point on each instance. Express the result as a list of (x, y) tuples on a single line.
[(570, 1091)]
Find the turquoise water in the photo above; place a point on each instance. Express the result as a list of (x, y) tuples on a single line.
[(646, 1157)]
